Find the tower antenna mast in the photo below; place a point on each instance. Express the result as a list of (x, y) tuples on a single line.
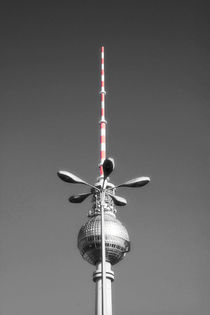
[(103, 121)]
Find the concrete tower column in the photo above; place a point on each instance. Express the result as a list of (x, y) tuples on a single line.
[(97, 278)]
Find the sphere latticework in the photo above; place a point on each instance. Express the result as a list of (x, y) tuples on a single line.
[(117, 241)]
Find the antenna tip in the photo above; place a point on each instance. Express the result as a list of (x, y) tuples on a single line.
[(102, 49)]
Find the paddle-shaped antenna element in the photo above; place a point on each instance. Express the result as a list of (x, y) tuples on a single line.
[(73, 179), (108, 167), (118, 201), (70, 178), (79, 198), (136, 182)]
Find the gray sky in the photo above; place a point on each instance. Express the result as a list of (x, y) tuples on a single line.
[(157, 75)]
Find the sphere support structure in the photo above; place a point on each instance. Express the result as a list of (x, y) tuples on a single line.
[(103, 241)]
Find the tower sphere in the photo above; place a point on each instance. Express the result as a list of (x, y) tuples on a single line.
[(116, 239)]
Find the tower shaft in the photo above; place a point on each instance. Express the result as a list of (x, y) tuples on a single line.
[(97, 278)]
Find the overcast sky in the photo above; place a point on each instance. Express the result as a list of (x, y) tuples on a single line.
[(157, 107)]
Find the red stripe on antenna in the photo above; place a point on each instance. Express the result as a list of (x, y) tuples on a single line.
[(103, 155), (101, 170), (103, 139)]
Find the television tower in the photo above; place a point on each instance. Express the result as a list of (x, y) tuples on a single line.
[(103, 241)]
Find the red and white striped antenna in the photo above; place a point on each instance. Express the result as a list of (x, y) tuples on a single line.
[(103, 120)]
